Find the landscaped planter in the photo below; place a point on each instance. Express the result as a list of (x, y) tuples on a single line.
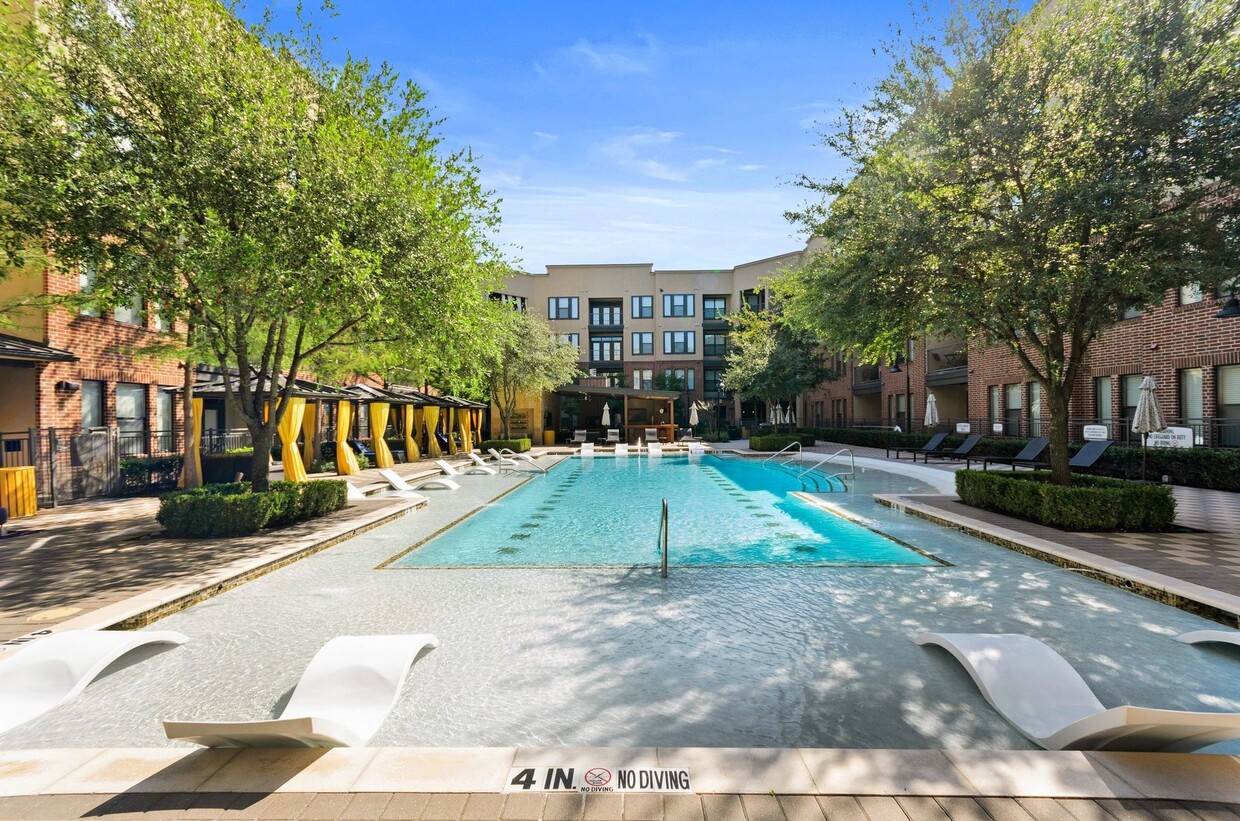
[(224, 468), (232, 509), (1089, 503)]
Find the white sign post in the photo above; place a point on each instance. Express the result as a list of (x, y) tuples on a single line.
[(962, 427), (1170, 438), (996, 427), (1095, 433)]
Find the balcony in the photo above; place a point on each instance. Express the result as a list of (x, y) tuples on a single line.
[(866, 379), (716, 324), (606, 327), (948, 364)]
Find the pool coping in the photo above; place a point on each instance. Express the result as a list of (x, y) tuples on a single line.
[(740, 771), (1194, 598)]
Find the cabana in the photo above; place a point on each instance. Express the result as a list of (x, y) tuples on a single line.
[(641, 408), (421, 414), (399, 407)]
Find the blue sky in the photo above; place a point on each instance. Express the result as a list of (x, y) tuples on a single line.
[(637, 132)]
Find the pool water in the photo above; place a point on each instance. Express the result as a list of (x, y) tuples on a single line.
[(604, 512)]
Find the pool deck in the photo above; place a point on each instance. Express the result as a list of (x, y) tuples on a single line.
[(103, 563)]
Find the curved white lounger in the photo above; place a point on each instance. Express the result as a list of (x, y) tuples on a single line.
[(1205, 636), (451, 471), (342, 699), (52, 670), (509, 458), (1035, 689), (399, 486)]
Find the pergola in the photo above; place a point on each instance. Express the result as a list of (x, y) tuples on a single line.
[(642, 408)]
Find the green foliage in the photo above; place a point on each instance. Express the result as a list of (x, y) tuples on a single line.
[(667, 381), (514, 445), (527, 359), (769, 359), (715, 436), (1089, 503), (1026, 180), (779, 441), (232, 509), (149, 474)]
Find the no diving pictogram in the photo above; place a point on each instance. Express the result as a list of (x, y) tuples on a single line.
[(598, 777)]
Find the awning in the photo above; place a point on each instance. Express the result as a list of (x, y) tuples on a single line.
[(369, 393), (25, 350), (303, 388), (617, 393)]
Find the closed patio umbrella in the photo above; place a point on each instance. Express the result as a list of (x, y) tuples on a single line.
[(771, 416), (1148, 418), (606, 415), (693, 416), (792, 415), (932, 410)]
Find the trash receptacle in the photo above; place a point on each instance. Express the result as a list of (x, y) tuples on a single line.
[(548, 438)]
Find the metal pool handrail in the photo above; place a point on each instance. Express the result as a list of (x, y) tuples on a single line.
[(852, 469), (789, 446), (662, 541)]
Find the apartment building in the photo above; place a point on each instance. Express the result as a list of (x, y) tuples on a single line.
[(644, 329)]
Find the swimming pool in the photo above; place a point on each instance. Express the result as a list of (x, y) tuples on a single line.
[(604, 512)]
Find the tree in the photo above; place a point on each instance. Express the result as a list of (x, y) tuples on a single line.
[(529, 358), (768, 359), (285, 207), (1025, 181)]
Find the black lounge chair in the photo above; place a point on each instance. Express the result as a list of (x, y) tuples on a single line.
[(962, 452), (361, 449), (935, 443), (1028, 456), (1086, 457)]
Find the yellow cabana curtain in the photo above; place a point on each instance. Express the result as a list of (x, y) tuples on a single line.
[(195, 438), (290, 424), (412, 434), (430, 415), (346, 461), (378, 427), (451, 423), (309, 427), (462, 424), (476, 417)]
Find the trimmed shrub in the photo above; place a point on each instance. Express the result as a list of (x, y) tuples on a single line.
[(1089, 503), (779, 441), (716, 436), (232, 509), (149, 474), (514, 445)]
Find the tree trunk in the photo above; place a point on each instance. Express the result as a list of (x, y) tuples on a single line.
[(260, 463), (189, 468), (1057, 402)]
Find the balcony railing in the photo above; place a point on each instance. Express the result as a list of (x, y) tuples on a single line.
[(946, 357)]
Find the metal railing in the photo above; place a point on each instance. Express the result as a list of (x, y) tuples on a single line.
[(790, 446), (662, 541), (852, 468), (946, 357)]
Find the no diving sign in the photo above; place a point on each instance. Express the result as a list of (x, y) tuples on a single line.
[(598, 779)]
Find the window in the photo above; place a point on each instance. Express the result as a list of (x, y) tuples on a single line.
[(562, 307), (643, 307), (711, 377), (571, 339), (1190, 294), (130, 314), (1102, 400), (92, 404), (897, 408), (714, 307), (605, 349), (643, 380), (1191, 404), (678, 342), (1011, 410), (714, 344), (131, 417), (1227, 386), (86, 284), (605, 315), (1132, 313), (643, 344), (164, 416), (680, 376), (839, 411), (1035, 408), (516, 302), (755, 300), (1130, 392), (678, 304), (161, 317), (992, 403)]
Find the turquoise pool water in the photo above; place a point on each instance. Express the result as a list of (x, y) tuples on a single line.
[(604, 512)]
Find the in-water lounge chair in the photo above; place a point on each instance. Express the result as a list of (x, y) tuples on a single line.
[(934, 444), (451, 471), (1035, 689), (398, 482), (399, 485), (962, 452), (509, 458), (587, 450), (1211, 636), (654, 449), (622, 449), (342, 699), (1028, 456), (50, 671)]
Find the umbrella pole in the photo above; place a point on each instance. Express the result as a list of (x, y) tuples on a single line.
[(1143, 438)]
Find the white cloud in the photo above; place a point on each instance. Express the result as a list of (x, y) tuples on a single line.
[(626, 151), (543, 135), (751, 167), (615, 58)]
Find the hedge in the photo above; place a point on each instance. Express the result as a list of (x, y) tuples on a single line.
[(1089, 503), (514, 445), (149, 474), (1216, 468), (779, 441), (232, 509), (715, 436)]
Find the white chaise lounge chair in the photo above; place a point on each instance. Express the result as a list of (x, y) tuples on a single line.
[(342, 699), (398, 482), (400, 487), (1207, 636), (1035, 689), (622, 449), (451, 471), (613, 436), (654, 449), (587, 450), (52, 670), (509, 458), (353, 493)]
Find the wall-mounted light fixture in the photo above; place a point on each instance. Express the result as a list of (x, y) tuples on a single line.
[(68, 387), (1231, 308)]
